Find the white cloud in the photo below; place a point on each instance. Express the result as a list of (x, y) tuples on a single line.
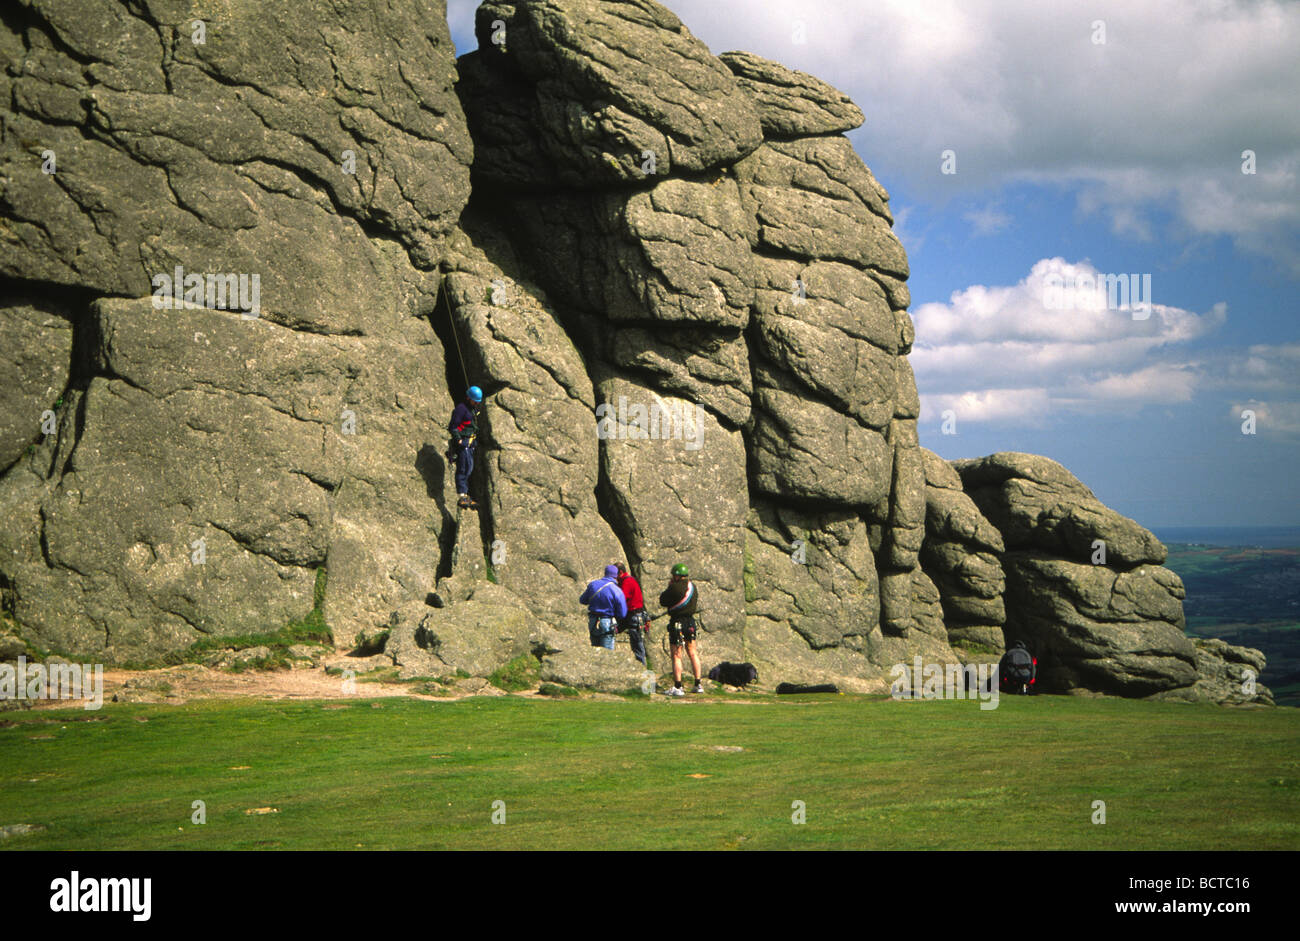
[(998, 354), (1163, 383), (1001, 353), (987, 221), (1066, 302), (1027, 406), (1259, 370), (1149, 125), (1271, 418)]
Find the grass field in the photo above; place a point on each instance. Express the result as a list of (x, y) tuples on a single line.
[(579, 774)]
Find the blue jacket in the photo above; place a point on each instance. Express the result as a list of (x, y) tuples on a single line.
[(464, 422), (605, 599)]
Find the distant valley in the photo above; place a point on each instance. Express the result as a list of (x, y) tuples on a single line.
[(1249, 596)]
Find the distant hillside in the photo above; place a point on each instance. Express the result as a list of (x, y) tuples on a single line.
[(1247, 596)]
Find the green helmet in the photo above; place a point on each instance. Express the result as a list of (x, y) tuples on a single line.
[(680, 569)]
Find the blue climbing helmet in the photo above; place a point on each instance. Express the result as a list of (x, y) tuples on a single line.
[(475, 394)]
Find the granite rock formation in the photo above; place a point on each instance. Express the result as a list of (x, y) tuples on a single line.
[(252, 260)]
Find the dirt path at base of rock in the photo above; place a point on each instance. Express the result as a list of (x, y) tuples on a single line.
[(181, 684)]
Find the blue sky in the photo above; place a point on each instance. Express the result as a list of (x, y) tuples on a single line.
[(1090, 137)]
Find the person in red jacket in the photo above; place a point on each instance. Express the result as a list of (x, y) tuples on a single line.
[(637, 621)]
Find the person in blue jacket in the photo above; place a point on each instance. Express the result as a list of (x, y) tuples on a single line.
[(606, 606)]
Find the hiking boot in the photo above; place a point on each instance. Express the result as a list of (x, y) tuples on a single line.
[(466, 502), (699, 687), (674, 691)]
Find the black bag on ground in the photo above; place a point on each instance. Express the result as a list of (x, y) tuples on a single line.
[(1017, 670), (734, 674), (789, 689)]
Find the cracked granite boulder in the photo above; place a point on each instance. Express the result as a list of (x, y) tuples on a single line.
[(287, 144), (605, 84), (676, 252), (477, 635), (791, 103), (812, 597), (1225, 674), (814, 198), (835, 405), (961, 555), (1099, 628), (203, 474), (675, 481), (36, 335), (1112, 625), (1037, 504), (651, 227), (927, 635), (269, 147), (182, 499), (710, 367)]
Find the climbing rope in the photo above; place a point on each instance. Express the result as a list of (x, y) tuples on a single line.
[(451, 319)]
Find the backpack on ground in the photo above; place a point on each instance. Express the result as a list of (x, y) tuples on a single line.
[(734, 674), (1018, 670)]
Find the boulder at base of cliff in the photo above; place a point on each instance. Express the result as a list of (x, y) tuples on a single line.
[(1096, 628), (961, 555), (570, 660), (812, 599), (1037, 504), (478, 635), (1226, 674)]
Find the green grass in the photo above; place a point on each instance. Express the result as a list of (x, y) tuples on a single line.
[(974, 648), (873, 774), (519, 674)]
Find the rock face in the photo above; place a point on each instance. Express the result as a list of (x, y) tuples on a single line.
[(1037, 504), (1084, 589), (605, 82), (538, 447), (724, 264), (1097, 627), (572, 661), (1080, 587), (813, 596), (790, 103), (962, 555), (679, 499), (37, 339), (245, 280), (1226, 674), (203, 464), (481, 633), (226, 149)]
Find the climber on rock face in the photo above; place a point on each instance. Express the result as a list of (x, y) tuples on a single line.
[(682, 601), (464, 430), (606, 606)]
